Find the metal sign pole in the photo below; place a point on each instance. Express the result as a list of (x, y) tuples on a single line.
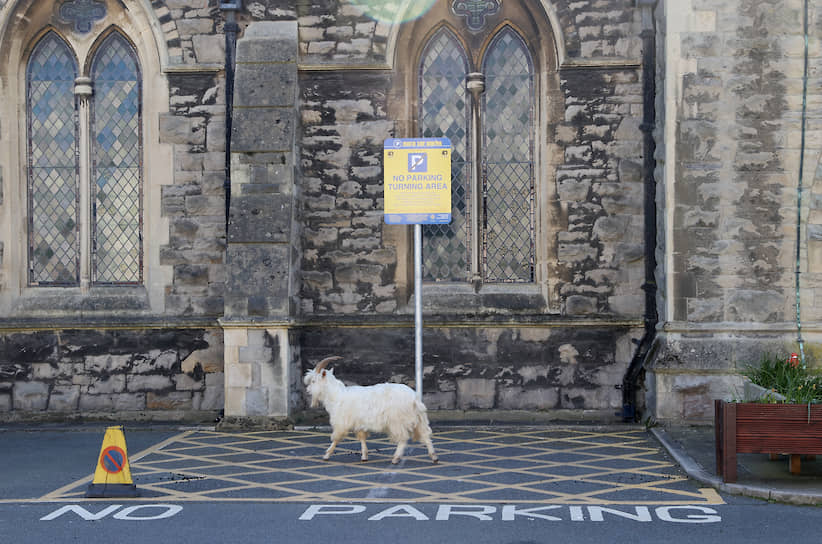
[(417, 188), (418, 307)]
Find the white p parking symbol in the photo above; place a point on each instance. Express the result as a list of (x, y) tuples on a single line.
[(417, 162)]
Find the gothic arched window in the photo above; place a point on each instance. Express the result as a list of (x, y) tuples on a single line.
[(52, 164), (488, 114), (84, 143)]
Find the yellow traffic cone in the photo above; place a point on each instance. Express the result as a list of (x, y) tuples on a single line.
[(113, 475)]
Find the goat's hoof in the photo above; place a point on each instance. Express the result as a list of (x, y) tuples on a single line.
[(435, 460), (395, 461), (326, 458), (364, 460)]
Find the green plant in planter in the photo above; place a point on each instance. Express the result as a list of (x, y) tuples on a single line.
[(786, 376)]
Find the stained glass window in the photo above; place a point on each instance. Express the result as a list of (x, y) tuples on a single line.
[(508, 161), (444, 112), (116, 145), (52, 164)]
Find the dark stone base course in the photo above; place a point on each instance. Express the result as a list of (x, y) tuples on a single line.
[(481, 368), (133, 374)]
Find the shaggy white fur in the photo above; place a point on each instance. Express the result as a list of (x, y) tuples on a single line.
[(389, 408)]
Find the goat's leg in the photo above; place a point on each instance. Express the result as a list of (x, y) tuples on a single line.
[(336, 438), (330, 450), (398, 453), (422, 433), (430, 446), (362, 435)]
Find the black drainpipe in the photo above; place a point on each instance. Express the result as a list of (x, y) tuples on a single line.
[(230, 28), (646, 347)]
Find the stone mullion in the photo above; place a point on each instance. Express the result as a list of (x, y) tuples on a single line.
[(83, 92), (476, 86)]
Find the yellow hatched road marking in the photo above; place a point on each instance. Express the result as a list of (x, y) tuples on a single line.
[(536, 465)]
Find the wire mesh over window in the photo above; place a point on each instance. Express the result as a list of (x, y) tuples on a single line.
[(52, 164), (508, 191), (116, 175), (444, 112)]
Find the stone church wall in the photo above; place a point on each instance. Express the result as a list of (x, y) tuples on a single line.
[(335, 272), (148, 352), (732, 75)]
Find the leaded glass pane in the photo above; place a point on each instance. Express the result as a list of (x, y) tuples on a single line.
[(508, 161), (444, 112), (117, 147), (52, 164)]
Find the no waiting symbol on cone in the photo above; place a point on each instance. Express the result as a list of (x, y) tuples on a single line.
[(113, 459)]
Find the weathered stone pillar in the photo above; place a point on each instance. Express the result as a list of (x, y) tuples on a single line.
[(261, 268)]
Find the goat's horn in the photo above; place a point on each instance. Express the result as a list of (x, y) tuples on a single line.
[(322, 364)]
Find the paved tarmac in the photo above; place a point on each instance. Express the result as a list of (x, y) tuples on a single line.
[(545, 464), (693, 448)]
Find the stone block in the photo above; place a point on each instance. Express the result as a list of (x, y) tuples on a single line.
[(580, 305), (515, 398), (476, 393), (573, 190), (266, 51), (184, 382), (155, 362), (107, 363), (181, 130), (756, 306), (263, 84), (107, 384), (64, 399), (205, 205), (215, 134), (49, 371), (260, 218), (256, 402), (239, 375), (190, 27), (210, 360), (149, 383), (584, 398), (260, 270), (256, 130), (30, 396), (270, 41), (191, 275), (440, 400), (627, 305), (235, 401), (213, 397), (612, 227), (576, 253), (209, 49), (174, 400)]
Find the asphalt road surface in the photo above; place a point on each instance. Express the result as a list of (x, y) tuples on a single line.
[(492, 485)]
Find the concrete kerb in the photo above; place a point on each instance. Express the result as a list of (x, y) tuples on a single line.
[(695, 471)]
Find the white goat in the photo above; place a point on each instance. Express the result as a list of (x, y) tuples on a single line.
[(390, 408)]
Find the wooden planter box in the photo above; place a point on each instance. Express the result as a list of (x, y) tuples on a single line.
[(749, 427)]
